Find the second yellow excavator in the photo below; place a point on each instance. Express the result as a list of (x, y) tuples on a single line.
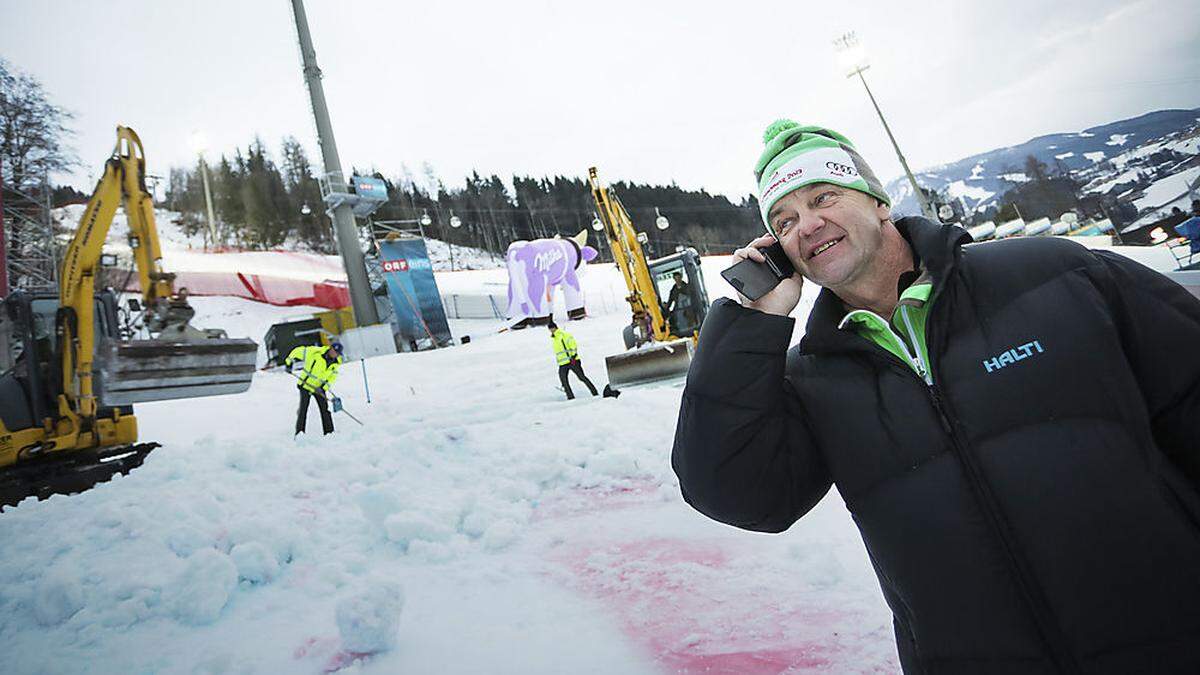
[(68, 374), (667, 296)]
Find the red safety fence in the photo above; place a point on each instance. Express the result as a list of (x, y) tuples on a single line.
[(330, 294)]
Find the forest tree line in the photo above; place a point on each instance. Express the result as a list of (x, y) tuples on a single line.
[(261, 203)]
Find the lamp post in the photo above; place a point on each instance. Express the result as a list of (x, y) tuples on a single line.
[(855, 59), (455, 222), (661, 222), (199, 146)]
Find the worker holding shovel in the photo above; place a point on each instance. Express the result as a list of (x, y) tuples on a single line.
[(320, 371)]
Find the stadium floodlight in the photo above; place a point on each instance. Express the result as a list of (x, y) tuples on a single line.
[(199, 145), (853, 57)]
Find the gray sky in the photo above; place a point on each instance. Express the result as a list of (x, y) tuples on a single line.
[(648, 91)]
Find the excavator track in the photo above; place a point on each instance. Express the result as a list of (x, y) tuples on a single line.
[(68, 472)]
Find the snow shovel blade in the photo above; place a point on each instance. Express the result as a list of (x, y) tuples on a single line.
[(658, 361), (137, 371)]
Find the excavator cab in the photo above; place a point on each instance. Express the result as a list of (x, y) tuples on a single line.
[(681, 292), (22, 380), (30, 365), (31, 361), (664, 351)]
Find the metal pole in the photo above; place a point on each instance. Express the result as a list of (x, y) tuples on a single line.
[(361, 300), (212, 221), (366, 385), (925, 208)]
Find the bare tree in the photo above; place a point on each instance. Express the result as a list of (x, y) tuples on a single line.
[(31, 129)]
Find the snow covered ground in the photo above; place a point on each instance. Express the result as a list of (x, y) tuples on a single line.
[(476, 522)]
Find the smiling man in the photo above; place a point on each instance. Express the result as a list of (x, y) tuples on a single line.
[(1013, 425)]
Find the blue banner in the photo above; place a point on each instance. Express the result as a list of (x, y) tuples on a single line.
[(420, 318)]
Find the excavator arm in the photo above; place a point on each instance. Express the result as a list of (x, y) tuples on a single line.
[(626, 245), (179, 361)]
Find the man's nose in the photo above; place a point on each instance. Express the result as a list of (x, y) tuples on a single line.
[(809, 224)]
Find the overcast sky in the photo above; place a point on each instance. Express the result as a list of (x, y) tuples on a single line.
[(648, 91)]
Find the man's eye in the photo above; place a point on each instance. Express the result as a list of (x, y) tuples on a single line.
[(783, 224), (824, 197)]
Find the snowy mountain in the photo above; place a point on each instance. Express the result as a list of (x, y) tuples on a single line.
[(1116, 156)]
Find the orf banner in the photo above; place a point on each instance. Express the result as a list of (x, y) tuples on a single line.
[(419, 314)]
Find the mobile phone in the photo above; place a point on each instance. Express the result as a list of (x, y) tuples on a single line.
[(754, 279)]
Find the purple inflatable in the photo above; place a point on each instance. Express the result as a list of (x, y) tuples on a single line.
[(536, 267)]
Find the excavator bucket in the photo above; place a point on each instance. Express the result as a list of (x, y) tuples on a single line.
[(655, 361), (137, 371)]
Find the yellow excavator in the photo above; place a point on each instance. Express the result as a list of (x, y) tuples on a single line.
[(667, 296), (69, 372)]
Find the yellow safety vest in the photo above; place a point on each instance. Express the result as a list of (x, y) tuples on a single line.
[(565, 349), (318, 373)]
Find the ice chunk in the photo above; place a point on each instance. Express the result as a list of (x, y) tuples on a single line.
[(59, 595), (202, 590), (407, 526), (255, 562), (369, 620)]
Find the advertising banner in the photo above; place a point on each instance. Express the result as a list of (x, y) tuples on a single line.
[(420, 318)]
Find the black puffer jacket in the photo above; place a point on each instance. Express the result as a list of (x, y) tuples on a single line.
[(1040, 515)]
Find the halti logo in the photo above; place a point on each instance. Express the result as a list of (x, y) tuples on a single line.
[(1013, 355)]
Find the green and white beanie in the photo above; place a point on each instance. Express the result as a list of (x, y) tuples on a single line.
[(797, 155)]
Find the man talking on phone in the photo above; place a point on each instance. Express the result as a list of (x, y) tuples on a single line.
[(1012, 425)]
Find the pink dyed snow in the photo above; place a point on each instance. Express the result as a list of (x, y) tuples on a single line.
[(697, 606), (588, 500), (318, 648)]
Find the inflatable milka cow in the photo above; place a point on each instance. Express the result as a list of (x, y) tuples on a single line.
[(536, 267)]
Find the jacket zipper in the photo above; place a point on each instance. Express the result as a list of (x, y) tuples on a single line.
[(1048, 629), (1052, 638), (1047, 626), (916, 364)]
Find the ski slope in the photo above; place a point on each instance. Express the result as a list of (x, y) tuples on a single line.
[(476, 522)]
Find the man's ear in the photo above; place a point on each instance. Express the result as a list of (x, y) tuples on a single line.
[(883, 211)]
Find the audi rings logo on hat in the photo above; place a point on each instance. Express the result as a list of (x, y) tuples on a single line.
[(840, 170)]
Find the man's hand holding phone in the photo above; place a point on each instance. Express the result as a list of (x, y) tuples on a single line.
[(781, 299)]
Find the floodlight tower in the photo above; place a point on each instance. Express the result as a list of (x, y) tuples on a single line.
[(855, 59), (199, 146), (337, 194)]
